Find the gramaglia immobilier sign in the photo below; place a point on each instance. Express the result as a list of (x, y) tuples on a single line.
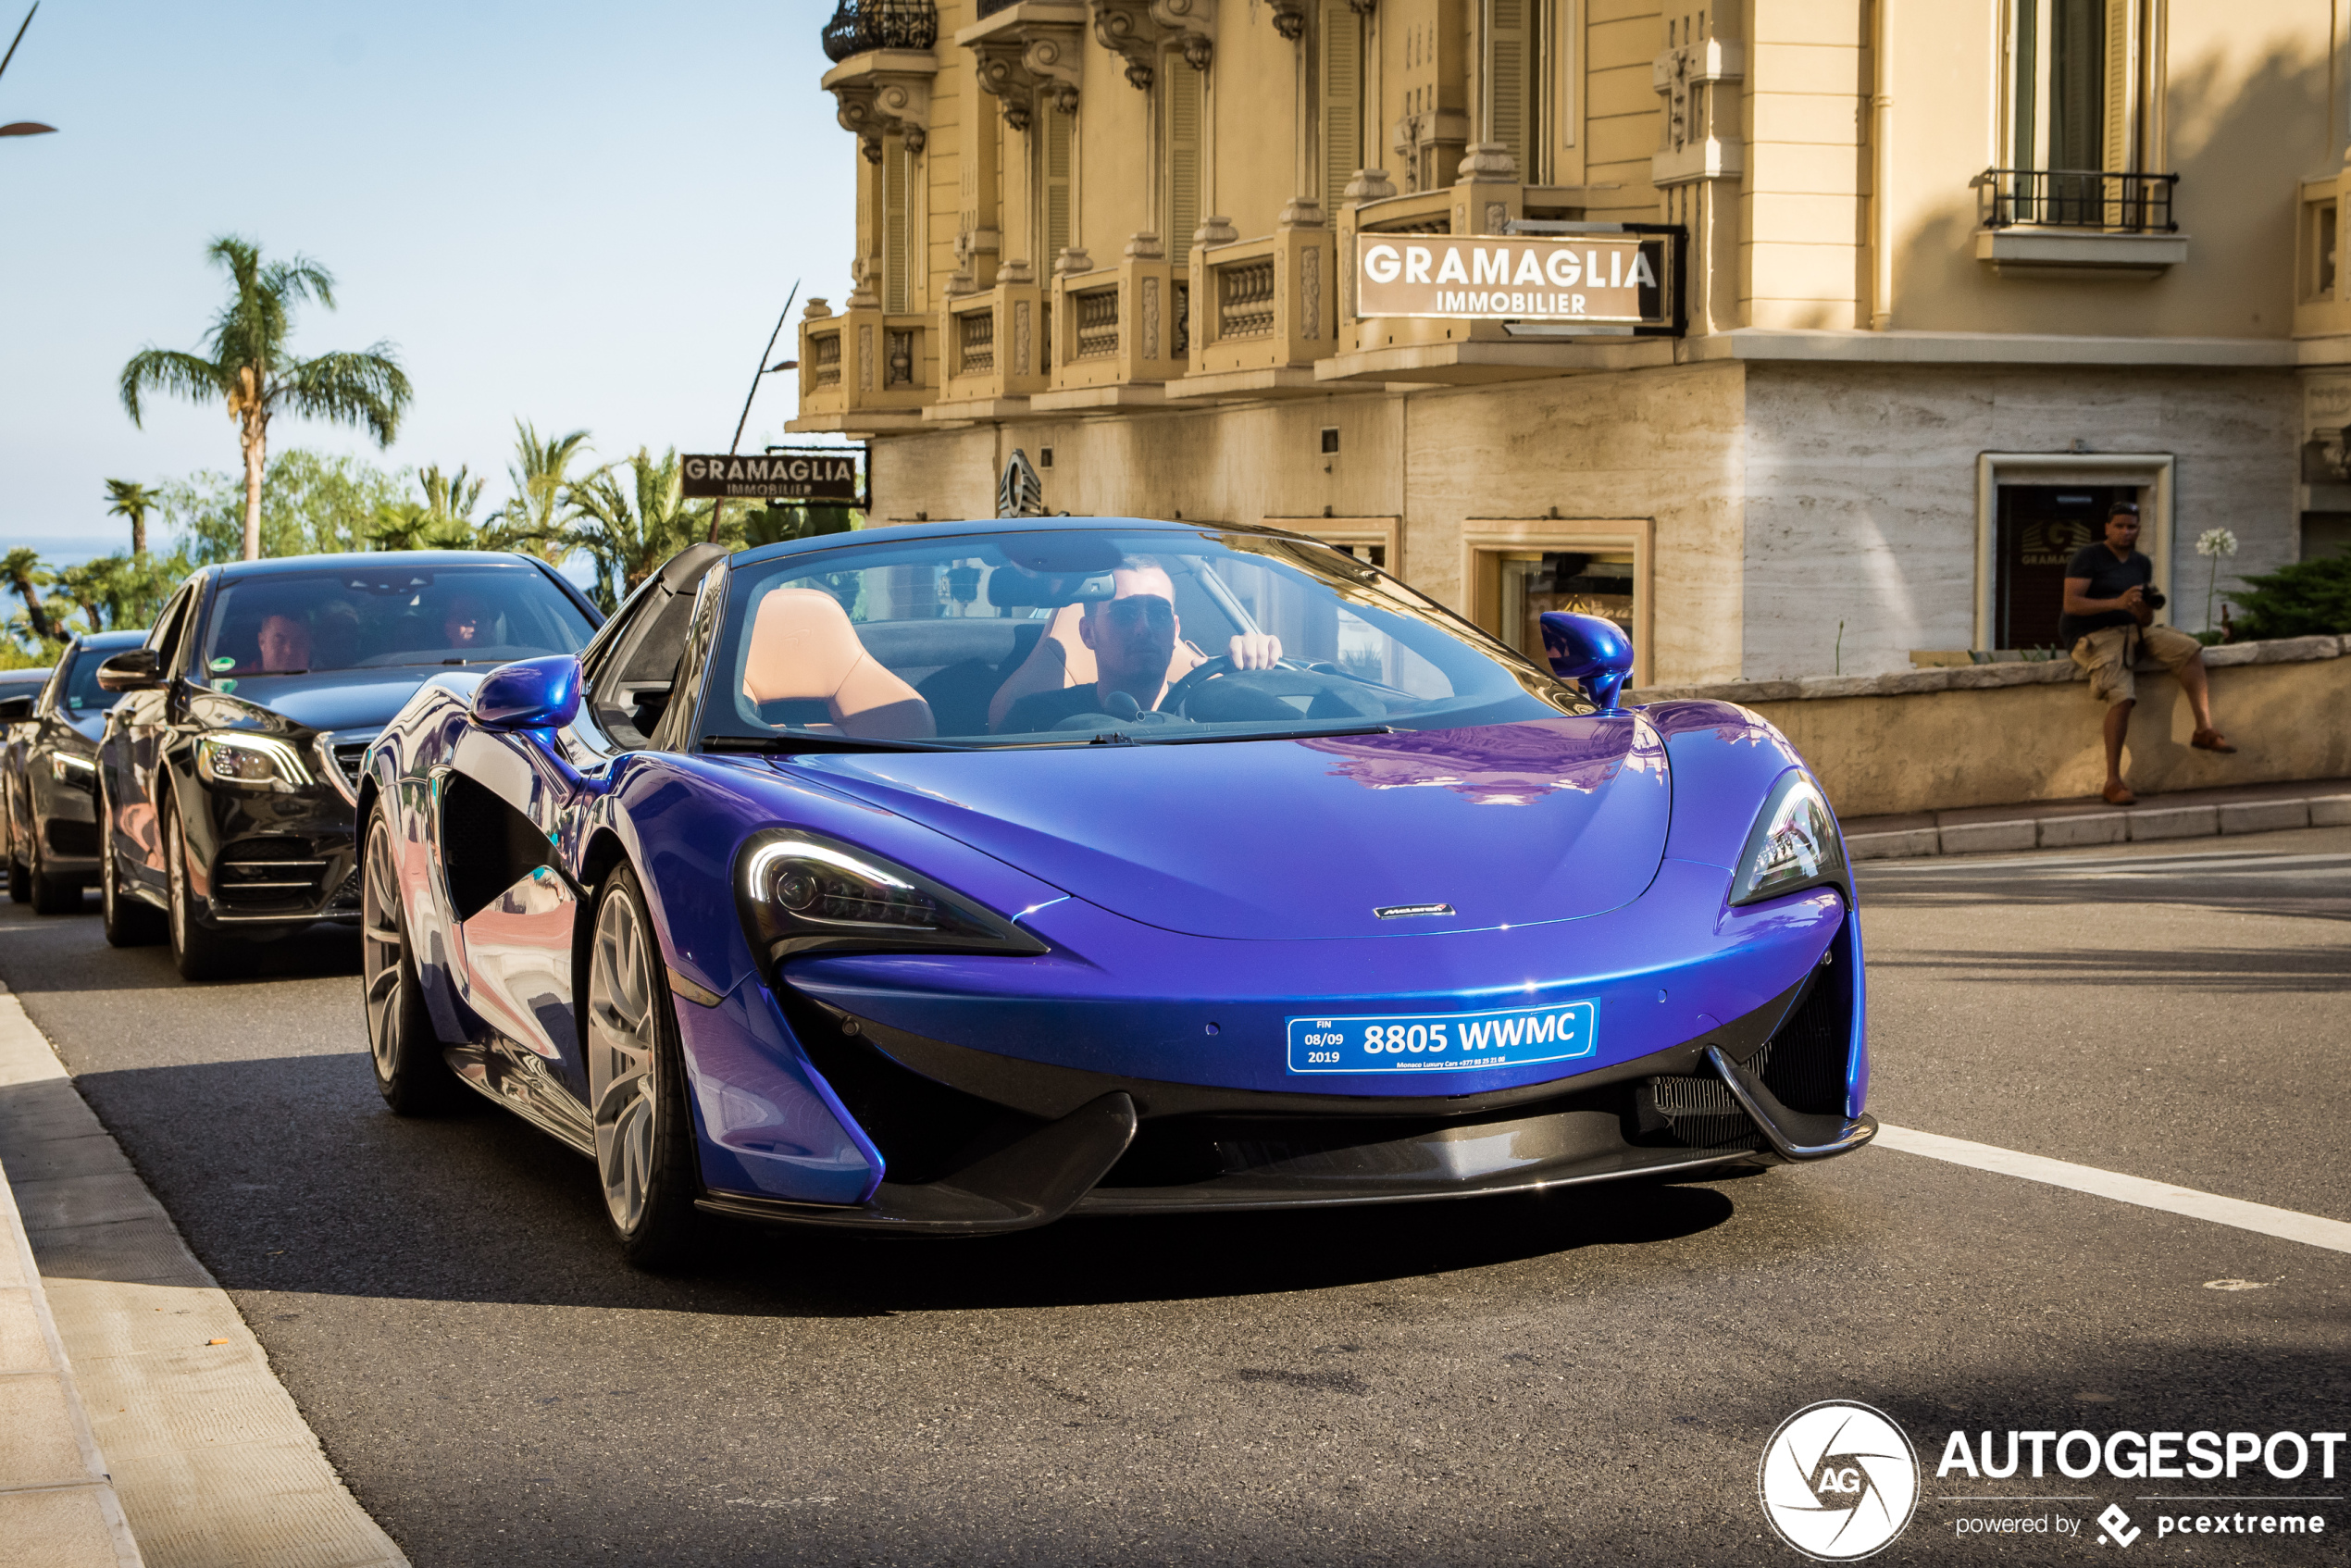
[(1603, 280)]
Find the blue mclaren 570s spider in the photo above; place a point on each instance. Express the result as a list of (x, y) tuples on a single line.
[(951, 878)]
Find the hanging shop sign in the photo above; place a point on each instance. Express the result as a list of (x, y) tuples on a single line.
[(1609, 281), (817, 473)]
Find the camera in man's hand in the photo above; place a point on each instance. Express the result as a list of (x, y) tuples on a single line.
[(2151, 596)]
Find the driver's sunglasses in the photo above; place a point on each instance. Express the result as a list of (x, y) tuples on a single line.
[(1136, 609)]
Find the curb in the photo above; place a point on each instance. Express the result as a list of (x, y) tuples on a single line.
[(213, 1462), (57, 1504), (2134, 826)]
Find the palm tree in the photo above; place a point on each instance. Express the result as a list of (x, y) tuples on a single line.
[(450, 497), (631, 531), (536, 517), (251, 371), (22, 568), (128, 498)]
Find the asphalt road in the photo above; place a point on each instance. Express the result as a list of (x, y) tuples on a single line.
[(1586, 1376)]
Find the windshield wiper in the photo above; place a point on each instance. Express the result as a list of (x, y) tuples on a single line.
[(1263, 735), (775, 745)]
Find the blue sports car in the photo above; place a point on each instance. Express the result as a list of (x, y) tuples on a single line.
[(953, 879)]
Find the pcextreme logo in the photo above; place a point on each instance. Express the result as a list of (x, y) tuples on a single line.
[(1838, 1481)]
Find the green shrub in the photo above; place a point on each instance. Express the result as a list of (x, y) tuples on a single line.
[(2310, 599)]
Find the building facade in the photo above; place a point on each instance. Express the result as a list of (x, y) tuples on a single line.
[(1952, 277)]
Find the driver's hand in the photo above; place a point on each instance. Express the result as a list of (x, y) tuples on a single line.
[(1254, 650)]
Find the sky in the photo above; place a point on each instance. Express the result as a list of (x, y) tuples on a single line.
[(581, 214)]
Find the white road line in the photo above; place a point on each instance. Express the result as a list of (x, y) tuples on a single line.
[(2218, 860), (2309, 1230)]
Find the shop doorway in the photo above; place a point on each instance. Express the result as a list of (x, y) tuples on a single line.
[(2039, 527), (1585, 583)]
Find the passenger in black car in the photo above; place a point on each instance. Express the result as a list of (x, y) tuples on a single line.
[(1136, 638)]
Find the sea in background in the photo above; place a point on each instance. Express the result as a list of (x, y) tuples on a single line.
[(71, 550)]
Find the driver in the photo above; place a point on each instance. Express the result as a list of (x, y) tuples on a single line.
[(285, 645), (1135, 636), (467, 623)]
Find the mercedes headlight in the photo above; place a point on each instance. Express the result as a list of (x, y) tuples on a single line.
[(258, 762), (68, 768), (1794, 845), (801, 891)]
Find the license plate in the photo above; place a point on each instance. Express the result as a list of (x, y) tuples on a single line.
[(1456, 1042)]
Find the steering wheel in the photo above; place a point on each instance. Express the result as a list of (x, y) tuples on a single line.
[(1207, 670)]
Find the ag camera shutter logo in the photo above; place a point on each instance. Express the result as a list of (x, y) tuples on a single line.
[(1838, 1481)]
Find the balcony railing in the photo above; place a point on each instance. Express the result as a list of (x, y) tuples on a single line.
[(975, 343), (1097, 311), (861, 25), (1244, 299), (2076, 198), (826, 358)]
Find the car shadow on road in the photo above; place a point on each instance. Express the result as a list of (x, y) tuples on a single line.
[(307, 954), (2233, 970), (286, 1174)]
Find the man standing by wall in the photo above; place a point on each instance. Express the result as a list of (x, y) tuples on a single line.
[(2110, 600)]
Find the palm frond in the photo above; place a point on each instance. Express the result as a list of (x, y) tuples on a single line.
[(169, 370), (366, 390)]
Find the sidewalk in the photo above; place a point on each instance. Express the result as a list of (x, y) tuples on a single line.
[(2186, 814), (212, 1462)]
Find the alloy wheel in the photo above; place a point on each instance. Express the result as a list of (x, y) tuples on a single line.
[(622, 1062), (381, 948)]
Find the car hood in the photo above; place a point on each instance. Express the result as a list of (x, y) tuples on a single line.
[(363, 699), (1493, 824)]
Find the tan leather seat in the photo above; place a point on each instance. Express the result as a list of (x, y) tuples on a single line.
[(1060, 660), (803, 648)]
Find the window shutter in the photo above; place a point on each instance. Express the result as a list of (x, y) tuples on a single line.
[(898, 250), (2122, 78), (1180, 89), (1510, 52), (1342, 102), (1050, 128)]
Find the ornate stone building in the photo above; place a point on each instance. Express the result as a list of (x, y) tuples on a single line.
[(1955, 274)]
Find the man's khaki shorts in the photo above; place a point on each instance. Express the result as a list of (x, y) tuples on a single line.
[(2103, 654)]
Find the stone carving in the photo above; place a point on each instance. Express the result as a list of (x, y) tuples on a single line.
[(1020, 337), (1037, 61), (1137, 30), (1498, 218), (872, 106), (1150, 318), (1310, 293), (1700, 134), (866, 357), (1290, 19)]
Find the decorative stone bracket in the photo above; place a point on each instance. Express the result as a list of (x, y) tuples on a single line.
[(1701, 138), (1290, 19), (1137, 30), (884, 91), (1020, 69)]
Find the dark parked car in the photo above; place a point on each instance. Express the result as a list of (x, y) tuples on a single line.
[(15, 683), (227, 773), (49, 775)]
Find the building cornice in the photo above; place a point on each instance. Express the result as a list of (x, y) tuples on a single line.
[(1984, 348)]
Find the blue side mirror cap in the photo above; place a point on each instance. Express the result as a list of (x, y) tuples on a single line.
[(528, 695), (1589, 649)]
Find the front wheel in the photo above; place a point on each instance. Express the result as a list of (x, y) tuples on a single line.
[(51, 895), (410, 1072), (637, 1083), (129, 921), (199, 952)]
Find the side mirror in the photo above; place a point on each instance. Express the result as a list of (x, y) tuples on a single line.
[(1589, 649), (14, 710), (133, 669), (528, 695)]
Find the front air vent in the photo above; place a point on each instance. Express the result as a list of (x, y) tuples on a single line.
[(267, 874)]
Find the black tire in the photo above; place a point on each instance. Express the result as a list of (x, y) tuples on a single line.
[(51, 895), (20, 881), (403, 1049), (645, 1156), (129, 920), (197, 950)]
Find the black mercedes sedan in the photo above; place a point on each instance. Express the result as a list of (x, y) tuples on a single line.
[(49, 775), (227, 774)]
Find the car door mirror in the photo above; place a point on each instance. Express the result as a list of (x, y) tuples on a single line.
[(1589, 649), (528, 695), (133, 669), (15, 709)]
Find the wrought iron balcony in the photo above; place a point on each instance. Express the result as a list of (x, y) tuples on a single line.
[(2076, 198), (859, 26)]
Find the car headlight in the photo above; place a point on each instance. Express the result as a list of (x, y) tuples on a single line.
[(68, 768), (801, 891), (256, 761), (1794, 845)]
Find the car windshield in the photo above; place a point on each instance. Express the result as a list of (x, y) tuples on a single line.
[(1081, 636), (370, 616), (82, 694)]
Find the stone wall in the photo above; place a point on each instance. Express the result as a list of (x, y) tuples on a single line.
[(2008, 734)]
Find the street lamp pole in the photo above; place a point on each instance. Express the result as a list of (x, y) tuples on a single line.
[(21, 127), (718, 507)]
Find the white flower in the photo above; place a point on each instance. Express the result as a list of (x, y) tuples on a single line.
[(2216, 541)]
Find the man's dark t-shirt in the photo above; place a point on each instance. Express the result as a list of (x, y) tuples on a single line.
[(2109, 578), (1042, 710)]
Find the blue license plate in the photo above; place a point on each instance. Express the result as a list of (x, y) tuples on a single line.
[(1438, 1043)]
